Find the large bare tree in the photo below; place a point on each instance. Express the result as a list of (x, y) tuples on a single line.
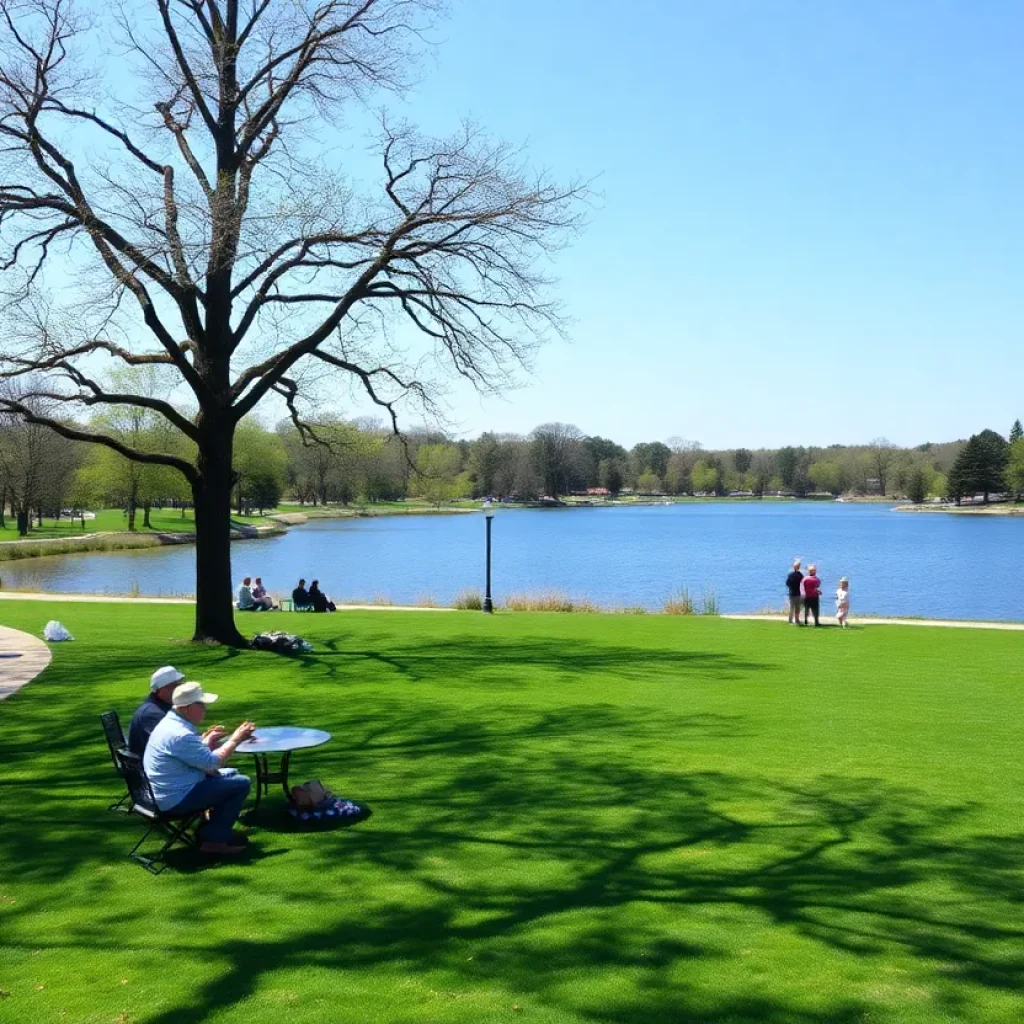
[(182, 195)]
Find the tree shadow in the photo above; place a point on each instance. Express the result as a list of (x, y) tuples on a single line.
[(518, 849)]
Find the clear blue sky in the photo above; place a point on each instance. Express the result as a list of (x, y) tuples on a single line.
[(799, 200)]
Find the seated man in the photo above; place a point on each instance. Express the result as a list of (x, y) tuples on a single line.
[(245, 598), (184, 769), (151, 711), (300, 597), (260, 595)]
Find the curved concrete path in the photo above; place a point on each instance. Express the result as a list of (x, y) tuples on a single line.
[(22, 658)]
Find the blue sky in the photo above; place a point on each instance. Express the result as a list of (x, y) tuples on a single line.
[(811, 227)]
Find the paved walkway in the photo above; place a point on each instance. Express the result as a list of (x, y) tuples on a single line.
[(872, 621), (14, 595), (22, 658)]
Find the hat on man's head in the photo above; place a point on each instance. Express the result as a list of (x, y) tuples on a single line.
[(191, 693), (166, 676)]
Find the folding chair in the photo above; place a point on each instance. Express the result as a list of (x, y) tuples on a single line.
[(174, 827), (115, 741)]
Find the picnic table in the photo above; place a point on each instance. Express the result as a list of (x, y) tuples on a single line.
[(278, 739)]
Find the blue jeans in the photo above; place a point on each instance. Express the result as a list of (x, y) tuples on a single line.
[(225, 796)]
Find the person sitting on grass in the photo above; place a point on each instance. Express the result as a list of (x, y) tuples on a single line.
[(260, 595), (184, 769), (246, 601), (151, 711), (319, 601), (300, 597)]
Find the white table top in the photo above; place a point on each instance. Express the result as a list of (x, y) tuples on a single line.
[(276, 739)]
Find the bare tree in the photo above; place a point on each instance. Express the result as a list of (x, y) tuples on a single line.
[(203, 231)]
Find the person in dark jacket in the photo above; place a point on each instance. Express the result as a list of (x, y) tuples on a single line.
[(149, 713), (793, 586), (318, 599), (300, 596)]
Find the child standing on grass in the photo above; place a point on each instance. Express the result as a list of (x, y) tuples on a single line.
[(843, 602)]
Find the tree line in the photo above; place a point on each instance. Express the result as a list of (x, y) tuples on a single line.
[(338, 461)]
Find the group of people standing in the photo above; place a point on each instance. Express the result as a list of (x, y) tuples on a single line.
[(805, 595)]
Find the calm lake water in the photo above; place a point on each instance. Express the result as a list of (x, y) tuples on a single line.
[(931, 565)]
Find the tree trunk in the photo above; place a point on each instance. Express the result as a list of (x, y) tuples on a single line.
[(145, 517), (211, 494)]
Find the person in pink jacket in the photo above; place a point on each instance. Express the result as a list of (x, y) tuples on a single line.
[(810, 590)]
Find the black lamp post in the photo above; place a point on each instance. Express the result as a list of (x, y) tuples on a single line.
[(489, 515)]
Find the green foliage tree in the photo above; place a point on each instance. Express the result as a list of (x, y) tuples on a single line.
[(652, 456), (742, 459), (438, 467), (649, 483), (260, 465), (704, 477), (1015, 468), (1016, 432)]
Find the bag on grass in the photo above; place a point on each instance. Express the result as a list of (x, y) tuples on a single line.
[(55, 632), (281, 643), (314, 804)]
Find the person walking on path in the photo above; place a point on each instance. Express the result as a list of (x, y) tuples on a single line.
[(843, 602), (793, 586), (810, 588), (184, 769)]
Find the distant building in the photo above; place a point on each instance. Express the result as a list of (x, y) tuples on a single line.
[(598, 492)]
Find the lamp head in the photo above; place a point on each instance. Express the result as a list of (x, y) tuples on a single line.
[(489, 509)]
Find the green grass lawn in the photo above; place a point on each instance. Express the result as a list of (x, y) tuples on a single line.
[(168, 520), (577, 818)]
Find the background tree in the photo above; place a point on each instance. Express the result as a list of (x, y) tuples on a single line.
[(1015, 468), (742, 459), (704, 477), (883, 451), (1016, 432), (648, 483), (438, 468), (37, 468), (180, 194), (259, 461), (560, 457), (651, 456)]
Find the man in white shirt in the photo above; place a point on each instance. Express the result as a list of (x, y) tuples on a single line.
[(184, 768)]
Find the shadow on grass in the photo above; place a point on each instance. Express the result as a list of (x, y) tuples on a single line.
[(530, 848)]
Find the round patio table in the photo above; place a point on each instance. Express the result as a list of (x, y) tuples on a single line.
[(278, 739)]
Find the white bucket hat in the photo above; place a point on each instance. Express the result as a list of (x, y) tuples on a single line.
[(191, 693), (165, 676)]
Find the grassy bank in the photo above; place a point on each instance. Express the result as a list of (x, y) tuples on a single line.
[(577, 819), (109, 532)]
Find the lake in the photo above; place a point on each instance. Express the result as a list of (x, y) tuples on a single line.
[(931, 565)]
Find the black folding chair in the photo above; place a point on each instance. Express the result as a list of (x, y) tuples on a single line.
[(115, 741), (175, 828)]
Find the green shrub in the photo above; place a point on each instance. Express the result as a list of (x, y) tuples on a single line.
[(468, 601)]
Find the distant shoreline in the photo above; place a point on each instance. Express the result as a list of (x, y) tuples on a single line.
[(966, 510)]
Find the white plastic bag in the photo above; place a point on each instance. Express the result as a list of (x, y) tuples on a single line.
[(55, 632)]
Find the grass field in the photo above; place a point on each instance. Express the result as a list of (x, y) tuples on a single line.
[(577, 819), (168, 520)]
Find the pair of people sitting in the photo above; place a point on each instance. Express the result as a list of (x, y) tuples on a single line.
[(186, 767), (253, 596), (313, 599)]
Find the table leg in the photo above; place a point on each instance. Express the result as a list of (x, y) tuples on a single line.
[(262, 775), (284, 774)]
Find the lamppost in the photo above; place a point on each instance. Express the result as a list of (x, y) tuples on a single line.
[(489, 516)]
